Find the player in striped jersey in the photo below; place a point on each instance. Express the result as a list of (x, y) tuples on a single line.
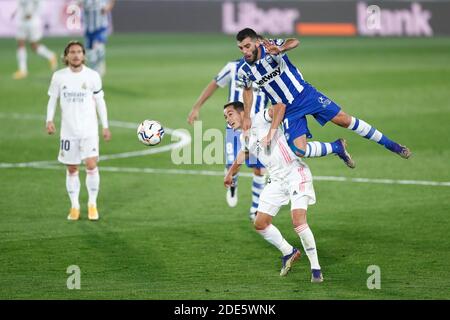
[(266, 64), (228, 77), (96, 20), (29, 28)]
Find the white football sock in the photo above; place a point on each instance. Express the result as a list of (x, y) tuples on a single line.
[(273, 236), (309, 244), (22, 59), (73, 188), (92, 185), (43, 51)]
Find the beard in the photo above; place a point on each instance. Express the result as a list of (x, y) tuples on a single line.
[(254, 56)]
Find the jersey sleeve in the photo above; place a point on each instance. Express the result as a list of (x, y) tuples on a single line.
[(243, 79), (223, 78), (53, 90), (97, 85)]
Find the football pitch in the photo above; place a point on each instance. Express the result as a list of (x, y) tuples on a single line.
[(166, 231)]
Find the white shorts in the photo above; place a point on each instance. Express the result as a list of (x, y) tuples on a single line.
[(73, 151), (29, 30), (297, 188)]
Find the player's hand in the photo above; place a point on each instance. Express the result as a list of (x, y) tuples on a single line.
[(50, 127), (228, 181), (106, 134), (271, 48), (194, 115)]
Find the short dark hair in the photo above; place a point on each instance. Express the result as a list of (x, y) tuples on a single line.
[(237, 105), (247, 32)]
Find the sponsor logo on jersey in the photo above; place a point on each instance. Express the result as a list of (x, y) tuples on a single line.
[(269, 77), (84, 86)]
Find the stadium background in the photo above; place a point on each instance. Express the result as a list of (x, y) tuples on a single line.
[(166, 231)]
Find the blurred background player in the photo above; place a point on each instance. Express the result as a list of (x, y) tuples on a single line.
[(289, 180), (96, 21), (267, 64), (80, 94), (228, 77), (29, 28)]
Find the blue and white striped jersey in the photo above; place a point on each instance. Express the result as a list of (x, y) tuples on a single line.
[(228, 76), (93, 18), (275, 75)]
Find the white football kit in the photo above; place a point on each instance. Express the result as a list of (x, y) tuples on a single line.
[(289, 177), (29, 24), (81, 97)]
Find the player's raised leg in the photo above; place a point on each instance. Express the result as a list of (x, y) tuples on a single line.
[(296, 134), (46, 53), (93, 186), (263, 225), (308, 242), (21, 56), (365, 130), (73, 190)]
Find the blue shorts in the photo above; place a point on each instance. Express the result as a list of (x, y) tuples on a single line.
[(310, 102), (100, 35), (295, 129), (232, 148)]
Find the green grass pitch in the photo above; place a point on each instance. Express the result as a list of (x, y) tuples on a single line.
[(172, 236)]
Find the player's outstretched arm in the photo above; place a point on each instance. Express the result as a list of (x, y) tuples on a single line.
[(240, 159), (248, 101), (108, 8), (274, 49), (206, 93), (51, 108)]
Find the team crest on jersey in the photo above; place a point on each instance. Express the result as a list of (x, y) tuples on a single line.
[(84, 86), (269, 58)]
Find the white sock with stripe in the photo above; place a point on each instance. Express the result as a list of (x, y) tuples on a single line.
[(309, 244), (92, 185), (73, 188), (365, 130), (272, 235), (257, 187), (318, 149)]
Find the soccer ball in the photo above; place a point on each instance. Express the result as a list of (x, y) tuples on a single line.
[(150, 132)]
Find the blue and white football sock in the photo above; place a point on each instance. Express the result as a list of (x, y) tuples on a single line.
[(272, 235), (309, 244), (316, 149), (73, 188), (367, 131), (92, 185), (257, 187)]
